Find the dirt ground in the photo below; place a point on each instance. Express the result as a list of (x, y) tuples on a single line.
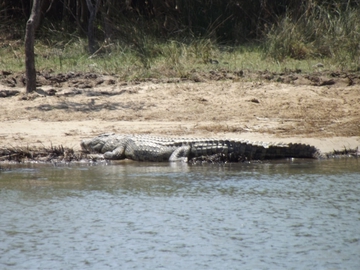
[(321, 109)]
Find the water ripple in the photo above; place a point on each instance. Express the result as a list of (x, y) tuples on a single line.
[(155, 216)]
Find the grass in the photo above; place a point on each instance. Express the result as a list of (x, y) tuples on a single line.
[(168, 59), (326, 35)]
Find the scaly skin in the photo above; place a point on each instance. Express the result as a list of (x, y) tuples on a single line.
[(151, 148)]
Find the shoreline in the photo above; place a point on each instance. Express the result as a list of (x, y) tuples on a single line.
[(70, 133)]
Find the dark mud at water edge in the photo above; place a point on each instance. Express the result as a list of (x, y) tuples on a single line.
[(64, 155)]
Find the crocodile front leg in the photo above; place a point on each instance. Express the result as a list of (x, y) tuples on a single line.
[(181, 154), (117, 154)]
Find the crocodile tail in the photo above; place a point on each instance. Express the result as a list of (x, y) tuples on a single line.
[(292, 150)]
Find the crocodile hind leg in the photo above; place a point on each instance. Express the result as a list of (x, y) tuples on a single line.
[(181, 154)]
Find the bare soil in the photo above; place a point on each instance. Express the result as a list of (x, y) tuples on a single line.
[(322, 109)]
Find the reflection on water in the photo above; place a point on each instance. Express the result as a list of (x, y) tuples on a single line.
[(278, 215)]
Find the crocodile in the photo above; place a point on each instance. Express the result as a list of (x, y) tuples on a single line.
[(157, 149)]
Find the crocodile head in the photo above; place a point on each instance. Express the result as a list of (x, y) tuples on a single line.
[(98, 144)]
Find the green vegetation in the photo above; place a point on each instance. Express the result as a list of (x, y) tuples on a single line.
[(328, 33), (170, 59), (159, 41)]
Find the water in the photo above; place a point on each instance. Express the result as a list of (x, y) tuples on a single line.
[(278, 215)]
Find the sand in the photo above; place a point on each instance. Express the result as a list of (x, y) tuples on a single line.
[(68, 108)]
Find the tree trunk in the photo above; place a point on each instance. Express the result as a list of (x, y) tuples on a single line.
[(31, 25), (93, 9)]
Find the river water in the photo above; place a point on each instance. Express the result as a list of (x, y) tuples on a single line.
[(302, 214)]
